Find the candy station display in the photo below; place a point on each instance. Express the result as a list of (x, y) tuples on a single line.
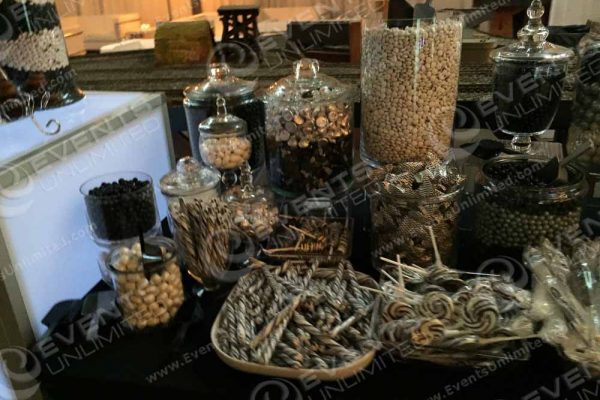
[(296, 304)]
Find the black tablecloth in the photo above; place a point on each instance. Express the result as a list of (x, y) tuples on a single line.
[(146, 364)]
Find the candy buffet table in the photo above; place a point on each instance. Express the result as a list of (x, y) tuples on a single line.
[(155, 364), (144, 366)]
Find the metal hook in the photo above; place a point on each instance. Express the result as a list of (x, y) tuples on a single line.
[(52, 127)]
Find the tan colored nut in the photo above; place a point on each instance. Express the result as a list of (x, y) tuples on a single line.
[(165, 318), (150, 298)]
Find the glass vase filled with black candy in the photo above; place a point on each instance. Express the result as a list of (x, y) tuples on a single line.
[(528, 81)]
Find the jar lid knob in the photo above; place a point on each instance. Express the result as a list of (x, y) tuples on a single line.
[(218, 71), (534, 32), (221, 106), (306, 68), (246, 182)]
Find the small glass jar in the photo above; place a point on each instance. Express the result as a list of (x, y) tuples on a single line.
[(200, 103), (309, 131), (528, 81), (188, 182), (254, 210), (147, 300), (401, 215), (119, 206), (409, 88), (224, 142), (512, 214), (586, 107)]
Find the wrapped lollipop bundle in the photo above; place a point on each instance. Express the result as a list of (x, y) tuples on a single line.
[(566, 298)]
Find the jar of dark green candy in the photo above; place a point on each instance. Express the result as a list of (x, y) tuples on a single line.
[(516, 209)]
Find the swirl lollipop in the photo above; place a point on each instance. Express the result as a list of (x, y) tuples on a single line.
[(427, 332), (437, 305), (397, 331), (481, 315), (398, 310)]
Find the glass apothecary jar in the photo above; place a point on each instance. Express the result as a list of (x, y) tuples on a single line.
[(409, 88), (528, 81), (188, 182), (406, 200), (586, 107), (119, 206), (200, 103), (148, 296), (309, 131), (517, 209), (224, 141), (254, 210)]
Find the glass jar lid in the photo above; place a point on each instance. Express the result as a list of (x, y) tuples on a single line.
[(189, 178), (246, 192), (306, 85), (220, 81), (532, 45), (223, 123)]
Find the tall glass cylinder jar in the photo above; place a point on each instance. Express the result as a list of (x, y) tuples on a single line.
[(309, 132), (409, 88), (200, 103), (515, 210), (586, 107), (34, 53)]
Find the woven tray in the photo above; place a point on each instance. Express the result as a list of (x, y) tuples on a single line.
[(297, 373)]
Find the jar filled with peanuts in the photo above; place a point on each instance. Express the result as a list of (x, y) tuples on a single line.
[(224, 142), (309, 132), (148, 283)]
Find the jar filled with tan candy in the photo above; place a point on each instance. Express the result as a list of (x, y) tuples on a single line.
[(409, 87), (309, 131), (224, 142), (254, 210), (147, 282)]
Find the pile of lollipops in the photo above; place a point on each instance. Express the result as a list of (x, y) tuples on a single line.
[(435, 314)]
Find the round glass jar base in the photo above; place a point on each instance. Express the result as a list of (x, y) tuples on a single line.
[(109, 244)]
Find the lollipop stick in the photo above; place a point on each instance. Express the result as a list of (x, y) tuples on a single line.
[(400, 273), (390, 277), (438, 259)]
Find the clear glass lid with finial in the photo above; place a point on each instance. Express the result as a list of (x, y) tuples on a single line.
[(254, 209), (190, 180), (528, 81), (224, 142)]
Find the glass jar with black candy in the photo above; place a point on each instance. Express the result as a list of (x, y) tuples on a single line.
[(120, 206), (200, 103), (308, 132), (585, 126), (528, 81)]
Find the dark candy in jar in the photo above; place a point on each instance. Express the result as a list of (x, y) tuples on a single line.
[(119, 210)]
